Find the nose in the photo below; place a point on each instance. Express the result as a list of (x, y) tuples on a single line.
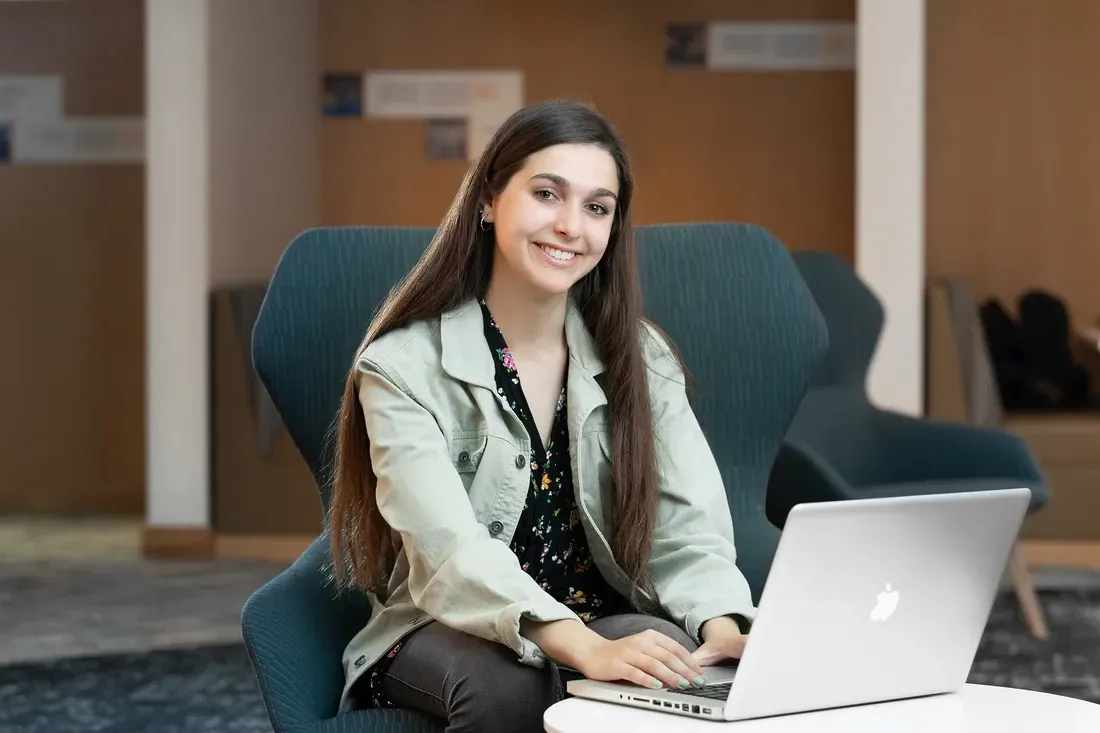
[(568, 224)]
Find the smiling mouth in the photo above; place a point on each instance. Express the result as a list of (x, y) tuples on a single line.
[(560, 255)]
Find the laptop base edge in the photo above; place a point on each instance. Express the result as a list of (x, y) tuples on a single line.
[(668, 702)]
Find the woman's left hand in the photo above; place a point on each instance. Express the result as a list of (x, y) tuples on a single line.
[(722, 640)]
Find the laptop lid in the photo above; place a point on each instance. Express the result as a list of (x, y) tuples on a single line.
[(876, 599)]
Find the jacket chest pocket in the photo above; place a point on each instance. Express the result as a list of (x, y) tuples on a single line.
[(466, 457), (480, 462)]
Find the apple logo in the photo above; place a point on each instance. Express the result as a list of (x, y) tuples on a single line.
[(887, 604)]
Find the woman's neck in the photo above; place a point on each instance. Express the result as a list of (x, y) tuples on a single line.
[(530, 322)]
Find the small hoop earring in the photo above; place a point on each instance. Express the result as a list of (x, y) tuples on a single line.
[(485, 226)]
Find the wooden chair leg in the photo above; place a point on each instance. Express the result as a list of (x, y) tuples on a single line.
[(1026, 595)]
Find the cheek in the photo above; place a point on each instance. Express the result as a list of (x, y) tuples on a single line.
[(509, 228), (525, 218), (599, 234)]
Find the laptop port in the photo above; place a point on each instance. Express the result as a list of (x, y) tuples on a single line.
[(706, 711), (668, 704), (695, 709)]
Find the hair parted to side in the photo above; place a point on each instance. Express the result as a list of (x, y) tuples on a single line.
[(455, 268)]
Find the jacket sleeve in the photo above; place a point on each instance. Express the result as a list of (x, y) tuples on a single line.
[(458, 574), (693, 566)]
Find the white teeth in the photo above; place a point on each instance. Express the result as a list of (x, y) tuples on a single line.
[(558, 254)]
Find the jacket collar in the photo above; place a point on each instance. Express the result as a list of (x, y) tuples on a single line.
[(466, 356)]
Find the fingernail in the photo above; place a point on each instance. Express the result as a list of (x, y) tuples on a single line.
[(656, 684), (700, 681), (684, 684)]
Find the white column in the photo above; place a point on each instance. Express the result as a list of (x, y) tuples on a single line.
[(890, 192), (177, 276)]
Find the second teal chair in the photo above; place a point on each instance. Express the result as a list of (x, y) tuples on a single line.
[(840, 446)]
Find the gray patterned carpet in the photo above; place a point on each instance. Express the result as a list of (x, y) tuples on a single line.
[(212, 689), (1068, 663)]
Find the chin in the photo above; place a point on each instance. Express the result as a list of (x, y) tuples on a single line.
[(555, 284)]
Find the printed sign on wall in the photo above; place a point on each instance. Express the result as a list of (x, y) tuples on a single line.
[(30, 97), (34, 128), (810, 45), (79, 140), (483, 98), (447, 138)]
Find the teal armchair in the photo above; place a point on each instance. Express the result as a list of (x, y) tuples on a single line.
[(324, 292), (728, 294), (841, 446)]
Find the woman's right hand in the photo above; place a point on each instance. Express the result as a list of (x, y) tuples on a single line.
[(648, 659)]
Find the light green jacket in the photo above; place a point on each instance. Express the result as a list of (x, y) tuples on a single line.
[(453, 470)]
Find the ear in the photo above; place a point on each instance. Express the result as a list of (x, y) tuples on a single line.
[(487, 213)]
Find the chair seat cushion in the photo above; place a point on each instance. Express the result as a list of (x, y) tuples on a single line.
[(923, 488)]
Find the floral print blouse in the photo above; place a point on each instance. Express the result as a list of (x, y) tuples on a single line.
[(549, 541)]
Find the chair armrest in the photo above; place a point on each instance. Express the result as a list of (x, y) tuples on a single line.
[(295, 630), (800, 476), (932, 450)]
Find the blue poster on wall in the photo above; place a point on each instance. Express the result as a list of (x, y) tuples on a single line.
[(686, 45), (343, 95), (5, 142)]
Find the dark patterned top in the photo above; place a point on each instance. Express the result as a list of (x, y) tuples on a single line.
[(549, 541)]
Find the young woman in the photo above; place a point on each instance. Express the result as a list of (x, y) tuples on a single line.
[(520, 482)]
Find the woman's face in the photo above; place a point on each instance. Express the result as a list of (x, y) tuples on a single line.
[(553, 220)]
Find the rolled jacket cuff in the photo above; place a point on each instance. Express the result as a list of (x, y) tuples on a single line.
[(529, 652), (699, 615)]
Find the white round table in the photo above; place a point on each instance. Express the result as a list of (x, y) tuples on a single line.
[(974, 709)]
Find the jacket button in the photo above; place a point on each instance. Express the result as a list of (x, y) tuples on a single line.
[(521, 460), (496, 527), (464, 457), (360, 661)]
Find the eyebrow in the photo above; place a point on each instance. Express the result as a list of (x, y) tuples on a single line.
[(555, 178)]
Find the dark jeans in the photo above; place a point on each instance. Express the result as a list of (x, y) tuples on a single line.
[(478, 685)]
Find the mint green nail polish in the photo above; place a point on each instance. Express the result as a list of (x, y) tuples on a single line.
[(700, 681), (656, 684), (684, 684)]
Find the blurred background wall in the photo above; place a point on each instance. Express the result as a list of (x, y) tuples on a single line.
[(1011, 169)]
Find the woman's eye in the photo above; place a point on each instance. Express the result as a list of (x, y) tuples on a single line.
[(545, 194), (599, 209)]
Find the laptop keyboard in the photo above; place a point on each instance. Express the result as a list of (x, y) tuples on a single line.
[(711, 692)]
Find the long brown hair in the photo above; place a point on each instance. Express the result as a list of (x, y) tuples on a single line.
[(455, 268)]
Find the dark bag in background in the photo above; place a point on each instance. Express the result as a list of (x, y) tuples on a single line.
[(1032, 355)]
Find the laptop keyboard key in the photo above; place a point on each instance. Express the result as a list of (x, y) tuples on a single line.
[(711, 692)]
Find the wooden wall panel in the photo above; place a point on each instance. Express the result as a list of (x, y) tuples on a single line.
[(1013, 150), (772, 148), (71, 280)]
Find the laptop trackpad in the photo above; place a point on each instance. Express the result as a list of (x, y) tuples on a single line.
[(718, 675)]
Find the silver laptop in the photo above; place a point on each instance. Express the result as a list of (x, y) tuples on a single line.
[(867, 600)]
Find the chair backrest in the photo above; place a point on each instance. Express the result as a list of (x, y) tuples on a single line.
[(836, 417), (853, 315), (747, 327), (727, 294), (325, 290)]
